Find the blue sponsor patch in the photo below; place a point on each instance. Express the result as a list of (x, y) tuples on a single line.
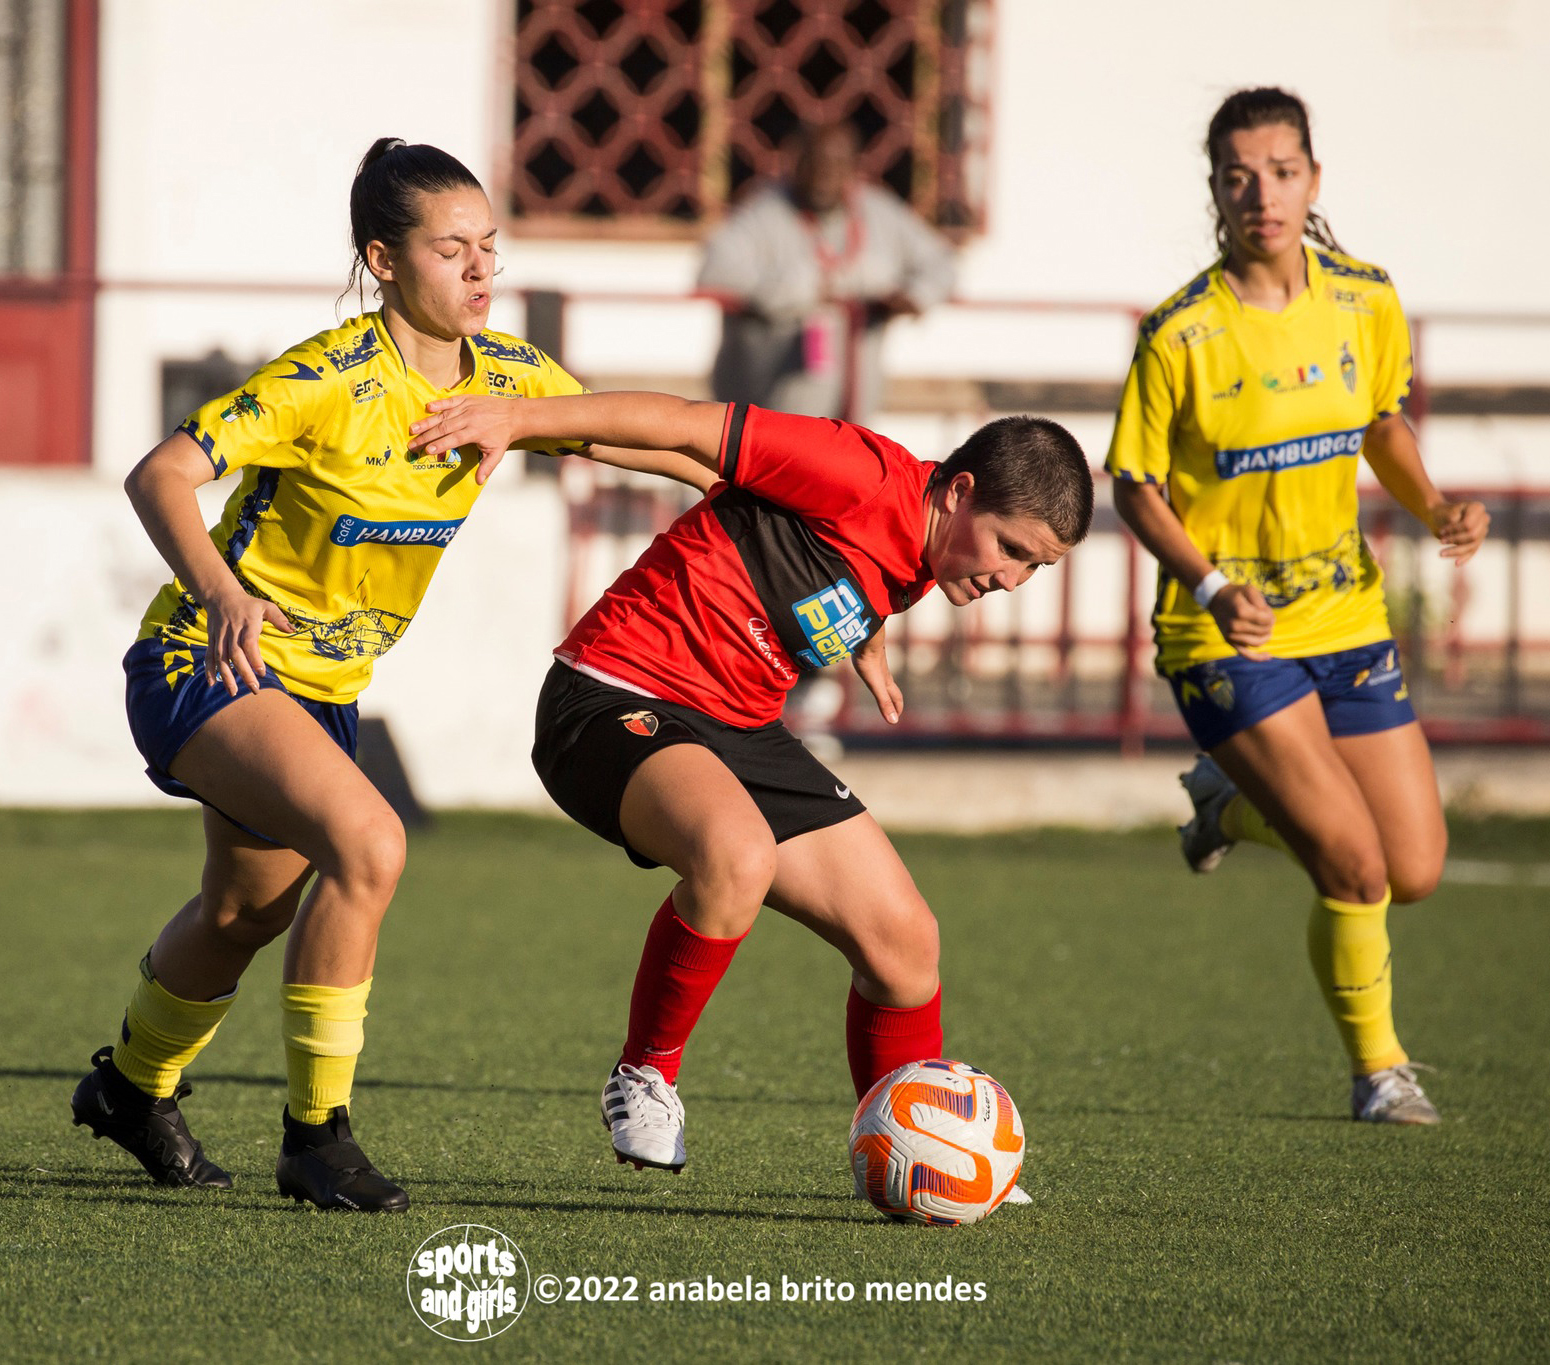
[(355, 531), (835, 621), (1301, 450)]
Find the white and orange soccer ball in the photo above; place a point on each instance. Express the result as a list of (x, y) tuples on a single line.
[(936, 1142)]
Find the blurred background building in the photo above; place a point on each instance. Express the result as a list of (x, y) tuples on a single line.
[(173, 183)]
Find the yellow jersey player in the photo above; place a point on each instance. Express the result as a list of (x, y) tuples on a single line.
[(1252, 392), (242, 685)]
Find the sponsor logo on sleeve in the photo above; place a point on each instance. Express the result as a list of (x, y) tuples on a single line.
[(437, 535)]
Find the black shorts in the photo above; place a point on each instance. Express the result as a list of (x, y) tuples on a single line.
[(591, 737)]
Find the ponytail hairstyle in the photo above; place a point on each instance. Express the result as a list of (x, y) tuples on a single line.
[(383, 196), (1257, 108)]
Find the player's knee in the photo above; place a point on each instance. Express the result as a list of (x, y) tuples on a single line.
[(1416, 876), (1353, 871), (902, 957), (369, 855), (733, 870)]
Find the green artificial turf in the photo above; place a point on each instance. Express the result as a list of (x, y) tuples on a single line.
[(1199, 1191)]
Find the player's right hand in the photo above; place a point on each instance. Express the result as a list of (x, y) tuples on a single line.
[(1245, 618), (486, 422), (233, 623)]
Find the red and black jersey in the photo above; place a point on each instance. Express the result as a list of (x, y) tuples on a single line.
[(816, 535)]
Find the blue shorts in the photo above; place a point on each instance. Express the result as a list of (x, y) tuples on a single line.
[(168, 700), (1362, 691)]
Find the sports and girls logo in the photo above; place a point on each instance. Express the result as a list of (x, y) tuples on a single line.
[(1289, 381), (468, 1282), (1300, 450), (835, 622), (422, 462), (355, 531), (642, 723), (245, 404)]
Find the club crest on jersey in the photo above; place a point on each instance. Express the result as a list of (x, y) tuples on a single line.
[(244, 404), (1289, 381), (640, 722), (1347, 367)]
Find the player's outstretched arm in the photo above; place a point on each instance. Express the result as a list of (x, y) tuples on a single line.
[(1391, 450), (633, 421), (161, 490), (1239, 609)]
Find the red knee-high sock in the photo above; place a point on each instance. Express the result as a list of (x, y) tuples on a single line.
[(679, 969), (878, 1038)]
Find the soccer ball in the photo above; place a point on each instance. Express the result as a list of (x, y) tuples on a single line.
[(936, 1142)]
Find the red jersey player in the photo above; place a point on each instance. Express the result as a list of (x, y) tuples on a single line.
[(659, 725)]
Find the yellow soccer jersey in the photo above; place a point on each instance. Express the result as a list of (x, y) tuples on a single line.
[(334, 520), (1253, 420)]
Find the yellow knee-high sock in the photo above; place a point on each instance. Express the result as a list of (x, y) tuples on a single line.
[(1348, 944), (324, 1032), (1242, 821), (162, 1033)]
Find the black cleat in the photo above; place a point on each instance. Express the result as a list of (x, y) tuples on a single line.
[(151, 1130), (323, 1163)]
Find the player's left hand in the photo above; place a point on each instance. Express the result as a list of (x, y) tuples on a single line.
[(871, 665), (1461, 527), (486, 422)]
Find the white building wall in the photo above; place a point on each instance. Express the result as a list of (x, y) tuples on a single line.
[(229, 135)]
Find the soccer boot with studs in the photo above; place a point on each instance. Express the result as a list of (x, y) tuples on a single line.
[(151, 1130), (1391, 1096), (1209, 790), (644, 1118), (323, 1164)]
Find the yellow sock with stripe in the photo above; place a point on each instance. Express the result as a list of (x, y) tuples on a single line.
[(1241, 822), (324, 1031), (1348, 944), (163, 1033)]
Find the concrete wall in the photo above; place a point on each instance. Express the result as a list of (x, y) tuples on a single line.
[(229, 135)]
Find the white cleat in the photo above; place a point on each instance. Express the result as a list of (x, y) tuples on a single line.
[(1017, 1195), (1392, 1096), (1209, 790), (645, 1118)]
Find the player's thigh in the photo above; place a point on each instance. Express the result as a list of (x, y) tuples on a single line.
[(1394, 770), (847, 883), (269, 765), (683, 807), (249, 880), (1288, 766)]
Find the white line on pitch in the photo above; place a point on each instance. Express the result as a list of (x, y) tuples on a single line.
[(1471, 873)]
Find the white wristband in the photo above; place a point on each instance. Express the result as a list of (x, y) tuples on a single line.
[(1209, 586)]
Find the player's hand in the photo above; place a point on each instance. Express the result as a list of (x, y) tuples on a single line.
[(233, 623), (1245, 618), (871, 665), (1461, 527), (489, 423)]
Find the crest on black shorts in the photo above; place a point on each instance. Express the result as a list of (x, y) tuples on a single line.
[(640, 722)]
